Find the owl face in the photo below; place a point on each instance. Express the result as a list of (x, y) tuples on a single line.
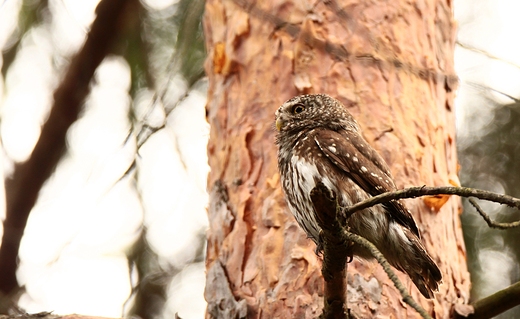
[(312, 111)]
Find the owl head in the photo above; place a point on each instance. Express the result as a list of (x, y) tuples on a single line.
[(306, 112)]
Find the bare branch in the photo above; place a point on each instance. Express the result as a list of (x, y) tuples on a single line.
[(496, 303), (23, 188), (337, 244), (147, 131), (488, 220), (485, 308), (413, 192)]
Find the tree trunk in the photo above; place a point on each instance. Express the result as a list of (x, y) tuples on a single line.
[(391, 64)]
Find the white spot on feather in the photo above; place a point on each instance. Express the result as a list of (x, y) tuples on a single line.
[(364, 169), (355, 159), (332, 148)]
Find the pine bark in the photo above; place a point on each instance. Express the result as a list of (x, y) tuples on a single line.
[(391, 64)]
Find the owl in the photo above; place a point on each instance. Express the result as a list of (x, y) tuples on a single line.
[(319, 141)]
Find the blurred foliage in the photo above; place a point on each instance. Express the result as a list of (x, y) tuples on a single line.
[(158, 45), (135, 50), (491, 160), (33, 12), (148, 295), (175, 39), (190, 40), (166, 43), (171, 39)]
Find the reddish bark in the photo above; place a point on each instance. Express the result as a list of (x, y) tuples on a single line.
[(391, 63)]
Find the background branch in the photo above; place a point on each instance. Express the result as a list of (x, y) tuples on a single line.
[(488, 220), (495, 304), (23, 187)]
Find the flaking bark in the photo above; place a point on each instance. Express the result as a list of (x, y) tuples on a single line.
[(392, 66)]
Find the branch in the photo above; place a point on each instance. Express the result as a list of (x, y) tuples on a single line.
[(23, 187), (485, 308), (413, 192), (337, 244), (336, 249), (387, 268), (485, 53), (488, 220), (495, 304), (147, 131)]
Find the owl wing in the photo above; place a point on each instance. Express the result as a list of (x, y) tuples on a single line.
[(349, 152)]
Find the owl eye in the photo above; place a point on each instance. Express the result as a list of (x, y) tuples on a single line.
[(298, 108)]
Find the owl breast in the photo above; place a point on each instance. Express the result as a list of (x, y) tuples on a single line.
[(301, 177)]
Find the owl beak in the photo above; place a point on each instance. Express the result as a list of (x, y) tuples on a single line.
[(279, 124)]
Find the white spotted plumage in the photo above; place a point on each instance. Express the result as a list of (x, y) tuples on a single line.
[(319, 141)]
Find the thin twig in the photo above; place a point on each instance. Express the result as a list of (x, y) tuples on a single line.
[(485, 53), (147, 131), (388, 269), (488, 220)]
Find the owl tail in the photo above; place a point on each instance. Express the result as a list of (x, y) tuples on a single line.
[(422, 269), (410, 256), (427, 277)]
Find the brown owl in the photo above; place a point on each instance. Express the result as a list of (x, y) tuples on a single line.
[(319, 141)]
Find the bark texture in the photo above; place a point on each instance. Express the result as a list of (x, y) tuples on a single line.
[(391, 63)]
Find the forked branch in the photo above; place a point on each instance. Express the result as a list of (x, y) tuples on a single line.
[(336, 242)]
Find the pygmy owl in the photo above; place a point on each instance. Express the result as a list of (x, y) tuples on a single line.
[(319, 141)]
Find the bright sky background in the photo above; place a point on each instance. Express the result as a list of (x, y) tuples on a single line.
[(491, 26), (73, 252)]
